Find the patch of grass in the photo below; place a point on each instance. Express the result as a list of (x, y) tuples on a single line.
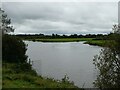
[(62, 39), (96, 42), (103, 43), (12, 79)]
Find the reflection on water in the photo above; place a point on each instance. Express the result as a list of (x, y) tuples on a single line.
[(58, 59)]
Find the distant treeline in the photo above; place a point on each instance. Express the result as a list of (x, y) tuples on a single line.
[(34, 36)]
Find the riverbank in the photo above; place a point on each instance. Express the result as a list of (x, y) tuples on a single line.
[(60, 39), (90, 41), (101, 43), (13, 78)]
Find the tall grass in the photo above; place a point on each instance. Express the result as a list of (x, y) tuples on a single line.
[(13, 79)]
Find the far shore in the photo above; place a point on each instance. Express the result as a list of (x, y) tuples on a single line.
[(90, 41)]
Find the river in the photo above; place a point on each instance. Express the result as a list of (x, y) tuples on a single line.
[(55, 60)]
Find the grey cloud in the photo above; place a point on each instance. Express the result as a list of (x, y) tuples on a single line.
[(54, 17), (29, 10)]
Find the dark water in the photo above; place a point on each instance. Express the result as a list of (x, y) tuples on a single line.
[(55, 60)]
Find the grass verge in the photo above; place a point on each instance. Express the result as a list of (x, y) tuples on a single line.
[(15, 79)]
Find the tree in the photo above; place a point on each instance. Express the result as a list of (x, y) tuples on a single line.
[(5, 26), (13, 48), (108, 63)]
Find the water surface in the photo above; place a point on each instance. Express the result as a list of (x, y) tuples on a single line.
[(55, 60)]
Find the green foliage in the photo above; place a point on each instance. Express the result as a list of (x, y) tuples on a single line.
[(108, 69), (13, 79), (96, 42), (65, 79), (108, 64), (5, 21), (13, 49), (61, 39)]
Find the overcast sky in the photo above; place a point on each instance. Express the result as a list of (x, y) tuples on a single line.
[(62, 17)]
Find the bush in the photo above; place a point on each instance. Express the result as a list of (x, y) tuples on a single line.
[(108, 63), (13, 49)]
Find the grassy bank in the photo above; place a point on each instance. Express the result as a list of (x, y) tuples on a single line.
[(60, 39), (96, 42), (14, 78), (90, 41), (102, 43)]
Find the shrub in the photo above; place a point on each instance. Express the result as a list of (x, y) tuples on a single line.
[(13, 49)]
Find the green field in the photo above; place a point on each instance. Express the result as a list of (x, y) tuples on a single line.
[(102, 43), (61, 39), (90, 41), (19, 79)]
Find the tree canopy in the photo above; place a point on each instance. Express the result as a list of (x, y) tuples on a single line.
[(5, 23)]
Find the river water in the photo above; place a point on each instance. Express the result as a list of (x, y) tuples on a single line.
[(55, 60)]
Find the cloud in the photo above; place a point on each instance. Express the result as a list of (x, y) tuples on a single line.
[(62, 17)]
